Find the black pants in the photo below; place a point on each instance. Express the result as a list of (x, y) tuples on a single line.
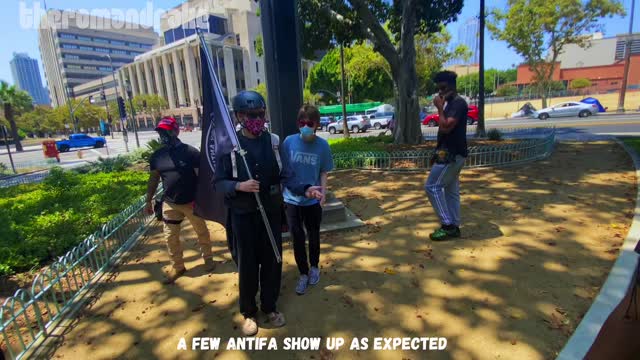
[(311, 217), (257, 264)]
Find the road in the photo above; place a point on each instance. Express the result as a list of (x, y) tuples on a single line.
[(567, 129)]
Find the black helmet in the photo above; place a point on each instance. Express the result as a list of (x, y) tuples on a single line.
[(248, 100)]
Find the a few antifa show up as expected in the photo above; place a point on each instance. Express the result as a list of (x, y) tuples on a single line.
[(303, 179)]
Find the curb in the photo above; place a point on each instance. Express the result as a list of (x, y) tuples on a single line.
[(615, 287)]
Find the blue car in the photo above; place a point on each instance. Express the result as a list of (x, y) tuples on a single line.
[(324, 121), (79, 141)]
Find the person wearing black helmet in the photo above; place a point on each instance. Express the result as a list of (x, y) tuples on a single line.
[(257, 264)]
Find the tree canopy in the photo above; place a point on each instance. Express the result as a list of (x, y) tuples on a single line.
[(391, 28)]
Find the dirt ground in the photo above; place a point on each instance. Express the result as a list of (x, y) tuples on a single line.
[(538, 242)]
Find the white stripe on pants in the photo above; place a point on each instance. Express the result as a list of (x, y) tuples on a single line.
[(443, 189)]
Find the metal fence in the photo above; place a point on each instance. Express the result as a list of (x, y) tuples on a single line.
[(22, 179), (30, 315), (479, 156)]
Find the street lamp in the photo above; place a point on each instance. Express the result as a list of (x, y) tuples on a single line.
[(133, 112)]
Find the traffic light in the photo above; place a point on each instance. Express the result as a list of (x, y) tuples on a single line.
[(121, 108)]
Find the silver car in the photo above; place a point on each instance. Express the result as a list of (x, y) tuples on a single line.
[(569, 108), (355, 123)]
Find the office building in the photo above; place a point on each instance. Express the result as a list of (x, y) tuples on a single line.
[(602, 62), (26, 76), (469, 36), (78, 48)]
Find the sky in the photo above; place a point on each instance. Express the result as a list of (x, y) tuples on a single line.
[(17, 37)]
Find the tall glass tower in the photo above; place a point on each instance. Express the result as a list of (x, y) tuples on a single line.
[(26, 76)]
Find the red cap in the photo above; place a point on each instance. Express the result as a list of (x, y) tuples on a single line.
[(168, 123)]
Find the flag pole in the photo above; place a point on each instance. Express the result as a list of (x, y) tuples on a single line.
[(234, 140)]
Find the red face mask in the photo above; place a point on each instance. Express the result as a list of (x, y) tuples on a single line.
[(254, 123)]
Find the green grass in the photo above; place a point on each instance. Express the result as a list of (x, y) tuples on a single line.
[(634, 143)]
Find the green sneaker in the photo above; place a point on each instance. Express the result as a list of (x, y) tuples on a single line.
[(442, 234)]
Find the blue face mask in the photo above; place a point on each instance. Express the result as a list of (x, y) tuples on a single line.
[(306, 132)]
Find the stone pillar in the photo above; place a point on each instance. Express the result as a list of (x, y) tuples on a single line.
[(192, 80), (177, 68), (158, 77), (149, 78), (171, 97), (141, 88), (132, 81), (230, 72)]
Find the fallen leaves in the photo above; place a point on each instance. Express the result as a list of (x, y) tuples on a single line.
[(389, 271)]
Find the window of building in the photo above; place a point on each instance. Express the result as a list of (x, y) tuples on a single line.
[(71, 66), (102, 41), (117, 42), (217, 25), (102, 50), (119, 52), (69, 46), (257, 69), (89, 67), (238, 39), (84, 38), (243, 85), (134, 44), (258, 81), (67, 36), (178, 33), (105, 68), (72, 57), (168, 37), (86, 48)]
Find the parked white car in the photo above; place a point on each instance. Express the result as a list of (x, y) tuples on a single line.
[(570, 108), (355, 123), (380, 120)]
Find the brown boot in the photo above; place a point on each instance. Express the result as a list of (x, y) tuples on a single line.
[(209, 265), (173, 275)]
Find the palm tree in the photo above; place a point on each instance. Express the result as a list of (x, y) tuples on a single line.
[(15, 101)]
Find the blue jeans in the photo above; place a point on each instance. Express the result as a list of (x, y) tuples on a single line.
[(443, 190)]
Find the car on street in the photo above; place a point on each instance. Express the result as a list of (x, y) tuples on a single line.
[(324, 121), (80, 141), (433, 119), (569, 108), (355, 123), (380, 120)]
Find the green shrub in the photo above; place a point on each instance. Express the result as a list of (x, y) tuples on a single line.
[(494, 135), (369, 143), (4, 169), (39, 222), (107, 165)]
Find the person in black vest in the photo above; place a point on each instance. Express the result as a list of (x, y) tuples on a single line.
[(257, 264), (177, 164)]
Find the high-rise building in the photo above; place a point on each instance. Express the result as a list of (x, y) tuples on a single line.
[(26, 76), (469, 36), (77, 48)]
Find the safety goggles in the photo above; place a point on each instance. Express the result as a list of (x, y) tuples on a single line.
[(309, 123), (256, 115)]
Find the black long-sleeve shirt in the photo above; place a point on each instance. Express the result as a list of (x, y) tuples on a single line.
[(264, 168)]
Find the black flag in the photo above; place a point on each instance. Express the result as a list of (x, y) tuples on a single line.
[(217, 140)]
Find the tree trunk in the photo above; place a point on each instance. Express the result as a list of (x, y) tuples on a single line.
[(408, 128), (8, 113)]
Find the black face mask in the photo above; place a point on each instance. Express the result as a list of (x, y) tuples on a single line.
[(166, 138)]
